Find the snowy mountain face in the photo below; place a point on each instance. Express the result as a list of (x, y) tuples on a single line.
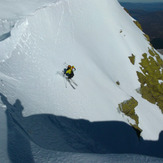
[(118, 73)]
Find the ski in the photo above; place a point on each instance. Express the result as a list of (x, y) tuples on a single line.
[(70, 81), (73, 82)]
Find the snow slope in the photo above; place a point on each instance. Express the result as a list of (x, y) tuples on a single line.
[(48, 138), (97, 38)]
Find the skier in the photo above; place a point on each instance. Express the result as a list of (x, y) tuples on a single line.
[(69, 71)]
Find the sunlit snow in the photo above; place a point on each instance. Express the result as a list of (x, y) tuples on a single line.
[(97, 37)]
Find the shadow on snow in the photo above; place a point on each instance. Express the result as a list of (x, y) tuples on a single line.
[(19, 149), (69, 135)]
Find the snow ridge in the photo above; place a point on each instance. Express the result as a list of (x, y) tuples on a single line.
[(97, 38)]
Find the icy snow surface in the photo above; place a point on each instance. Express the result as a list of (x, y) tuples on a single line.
[(97, 37)]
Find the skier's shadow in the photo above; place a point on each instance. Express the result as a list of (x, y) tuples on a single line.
[(19, 149), (69, 135)]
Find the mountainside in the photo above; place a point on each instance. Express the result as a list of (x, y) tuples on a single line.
[(147, 7), (99, 44), (119, 75), (161, 51), (152, 24), (150, 17)]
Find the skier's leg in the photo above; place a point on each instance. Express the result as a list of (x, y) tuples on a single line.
[(64, 71), (71, 75)]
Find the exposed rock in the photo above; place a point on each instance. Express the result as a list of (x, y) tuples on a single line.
[(132, 59), (128, 108), (151, 78)]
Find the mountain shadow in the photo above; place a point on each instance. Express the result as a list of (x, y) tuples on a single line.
[(68, 135), (19, 150)]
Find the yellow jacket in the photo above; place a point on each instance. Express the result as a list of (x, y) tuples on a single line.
[(69, 71)]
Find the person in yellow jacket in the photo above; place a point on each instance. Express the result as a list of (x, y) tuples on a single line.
[(69, 71)]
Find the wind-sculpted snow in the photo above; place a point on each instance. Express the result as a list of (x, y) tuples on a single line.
[(13, 10), (97, 38), (44, 137), (42, 118)]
